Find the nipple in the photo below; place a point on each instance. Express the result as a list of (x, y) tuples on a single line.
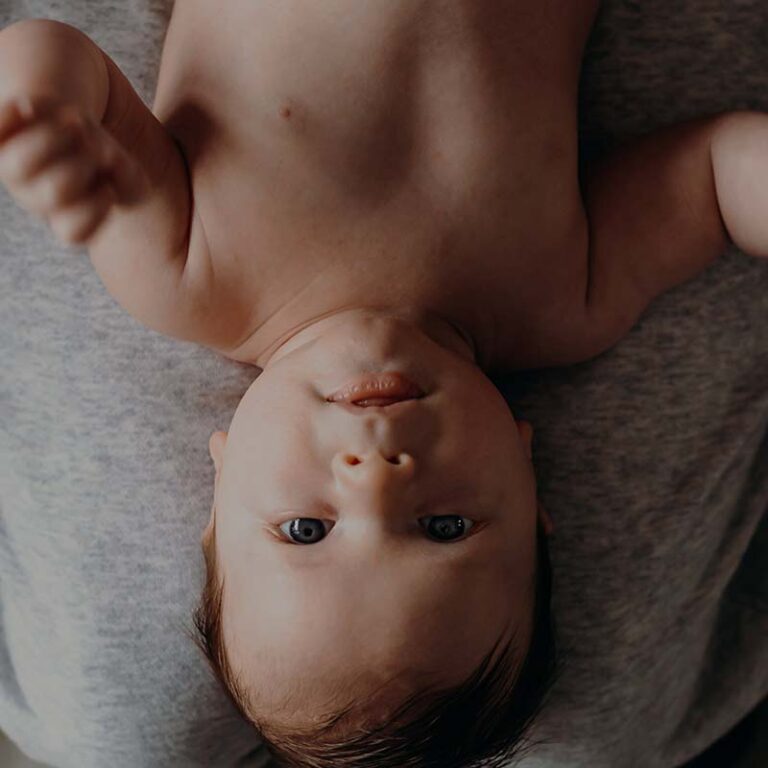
[(292, 114)]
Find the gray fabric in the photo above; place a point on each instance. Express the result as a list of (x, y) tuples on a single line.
[(651, 460)]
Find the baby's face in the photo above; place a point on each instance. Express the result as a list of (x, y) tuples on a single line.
[(366, 589)]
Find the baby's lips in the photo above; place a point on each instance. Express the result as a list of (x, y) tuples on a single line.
[(392, 385)]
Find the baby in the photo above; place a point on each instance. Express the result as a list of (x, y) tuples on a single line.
[(379, 205)]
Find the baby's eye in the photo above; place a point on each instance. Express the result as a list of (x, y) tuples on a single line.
[(446, 527), (304, 530), (310, 530)]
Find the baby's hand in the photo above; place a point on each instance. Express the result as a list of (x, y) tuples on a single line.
[(63, 167)]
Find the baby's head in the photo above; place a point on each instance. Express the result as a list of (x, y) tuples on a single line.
[(403, 619)]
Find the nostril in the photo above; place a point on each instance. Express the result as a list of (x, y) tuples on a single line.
[(397, 459)]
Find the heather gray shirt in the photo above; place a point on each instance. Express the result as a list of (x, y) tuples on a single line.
[(652, 459)]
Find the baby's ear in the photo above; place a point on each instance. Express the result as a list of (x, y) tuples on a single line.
[(216, 448)]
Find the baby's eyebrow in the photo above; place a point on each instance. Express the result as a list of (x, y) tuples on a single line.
[(306, 563)]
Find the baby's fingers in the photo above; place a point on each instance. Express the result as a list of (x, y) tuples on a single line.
[(28, 152), (11, 119), (77, 223), (25, 109), (63, 183)]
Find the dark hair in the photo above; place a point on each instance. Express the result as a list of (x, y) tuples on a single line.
[(481, 722)]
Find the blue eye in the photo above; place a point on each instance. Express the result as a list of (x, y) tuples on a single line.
[(304, 530), (442, 528), (447, 527)]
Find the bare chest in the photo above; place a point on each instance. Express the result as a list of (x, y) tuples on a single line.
[(415, 152)]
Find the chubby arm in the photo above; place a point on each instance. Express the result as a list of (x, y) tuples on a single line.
[(654, 220), (662, 208), (149, 250)]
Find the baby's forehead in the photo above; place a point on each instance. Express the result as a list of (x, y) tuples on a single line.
[(328, 637)]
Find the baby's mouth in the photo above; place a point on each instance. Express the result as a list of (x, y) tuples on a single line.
[(379, 389)]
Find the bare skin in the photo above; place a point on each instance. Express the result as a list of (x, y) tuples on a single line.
[(434, 143), (328, 189)]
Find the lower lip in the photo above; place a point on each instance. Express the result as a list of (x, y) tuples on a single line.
[(393, 385)]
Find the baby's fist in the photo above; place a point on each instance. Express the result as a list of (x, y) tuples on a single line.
[(63, 167)]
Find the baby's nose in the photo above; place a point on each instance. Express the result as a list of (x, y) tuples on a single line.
[(376, 466)]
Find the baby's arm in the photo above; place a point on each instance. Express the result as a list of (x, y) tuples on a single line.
[(144, 242), (662, 208)]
